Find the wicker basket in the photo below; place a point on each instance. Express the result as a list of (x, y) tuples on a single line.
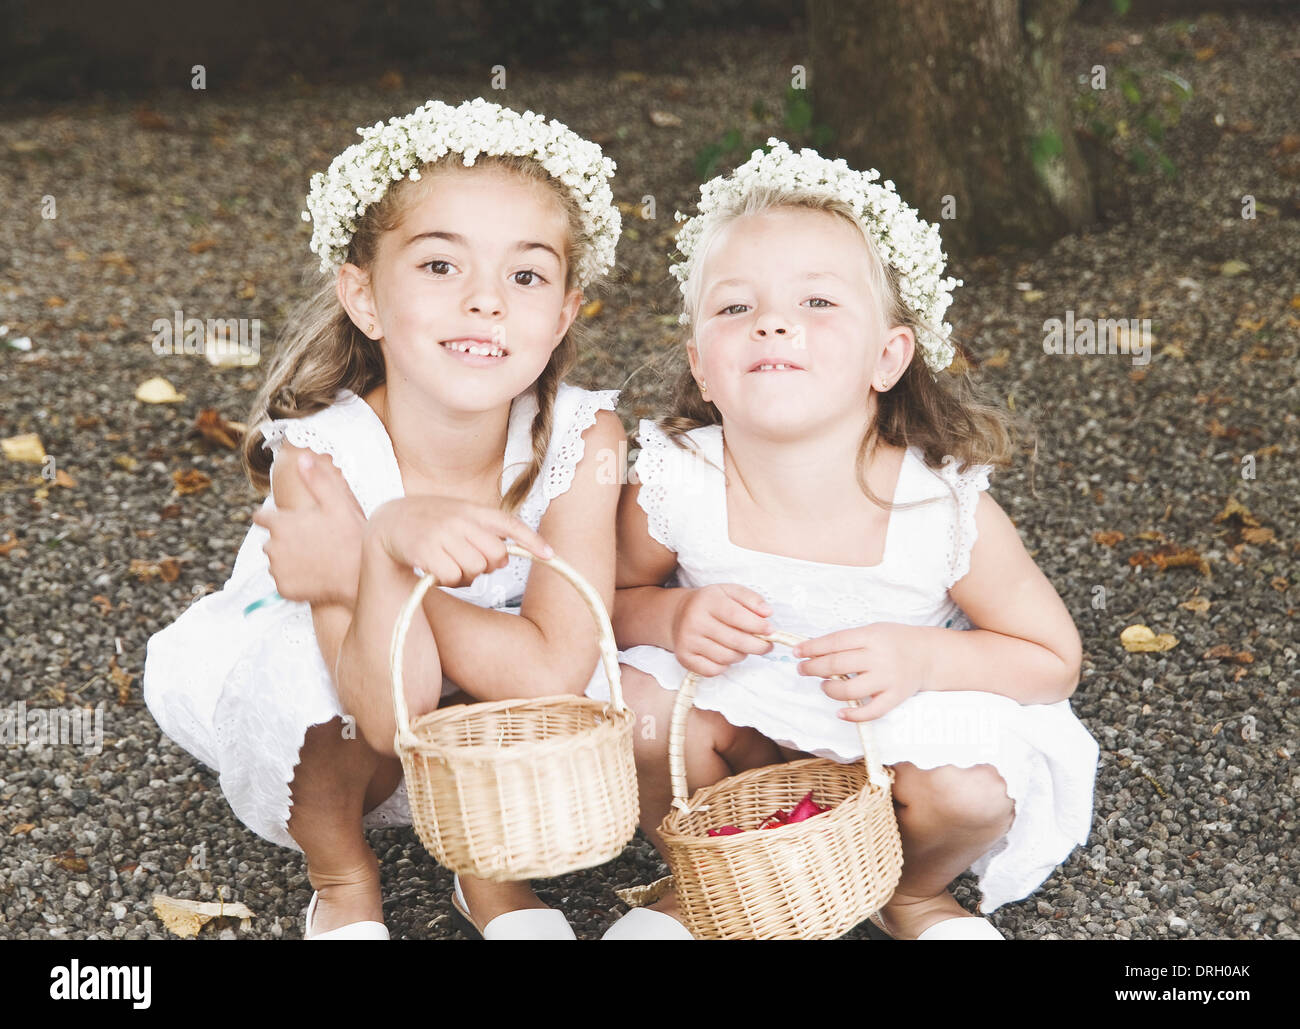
[(809, 880), (520, 789)]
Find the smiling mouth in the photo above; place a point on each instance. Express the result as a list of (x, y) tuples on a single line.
[(475, 346), (775, 366)]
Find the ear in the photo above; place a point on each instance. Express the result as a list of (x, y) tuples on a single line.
[(900, 344), (568, 312), (358, 300), (693, 355)]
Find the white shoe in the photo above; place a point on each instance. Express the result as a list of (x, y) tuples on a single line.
[(351, 931), (647, 924), (968, 928), (524, 924)]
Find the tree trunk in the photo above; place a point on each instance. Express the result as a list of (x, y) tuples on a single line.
[(957, 99)]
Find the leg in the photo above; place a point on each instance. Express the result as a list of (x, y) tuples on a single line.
[(947, 817), (714, 749), (335, 781)]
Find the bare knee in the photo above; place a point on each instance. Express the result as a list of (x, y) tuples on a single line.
[(973, 797)]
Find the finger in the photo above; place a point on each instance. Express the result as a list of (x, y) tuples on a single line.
[(730, 611), (702, 667), (827, 644), (325, 482), (881, 704), (733, 639), (749, 598), (493, 548), (717, 653), (472, 563), (841, 662), (522, 533), (857, 688)]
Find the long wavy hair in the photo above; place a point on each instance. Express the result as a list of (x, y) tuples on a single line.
[(943, 416), (321, 351)]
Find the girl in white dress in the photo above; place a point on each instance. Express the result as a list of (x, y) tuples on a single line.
[(426, 378), (816, 477)]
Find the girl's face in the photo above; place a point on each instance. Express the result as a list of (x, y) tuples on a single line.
[(788, 286), (477, 261)]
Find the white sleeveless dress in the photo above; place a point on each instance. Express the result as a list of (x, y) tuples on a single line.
[(1046, 756), (238, 683)]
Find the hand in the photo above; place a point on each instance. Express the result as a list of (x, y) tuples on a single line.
[(452, 540), (331, 528), (886, 664), (713, 627)]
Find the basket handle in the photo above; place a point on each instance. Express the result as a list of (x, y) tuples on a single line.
[(686, 700), (605, 637)]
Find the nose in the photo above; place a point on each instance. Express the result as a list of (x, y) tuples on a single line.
[(770, 323), (484, 298)]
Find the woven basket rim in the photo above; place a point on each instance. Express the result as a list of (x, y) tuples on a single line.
[(613, 723), (845, 809)]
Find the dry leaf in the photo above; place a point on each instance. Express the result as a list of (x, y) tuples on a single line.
[(122, 680), (1235, 507), (105, 605), (592, 309), (1138, 639), (1224, 652), (1231, 269), (22, 828), (247, 292), (1107, 539), (191, 480), (1171, 556), (126, 462), (999, 359), (216, 429), (1199, 605), (55, 302), (202, 246), (640, 896), (62, 478), (1257, 535), (186, 917), (25, 448), (664, 120), (7, 544), (158, 391), (1279, 583), (67, 859)]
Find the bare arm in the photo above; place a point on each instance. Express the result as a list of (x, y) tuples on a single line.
[(1025, 644), (550, 647), (644, 609)]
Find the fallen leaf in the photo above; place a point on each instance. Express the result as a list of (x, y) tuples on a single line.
[(247, 292), (1171, 556), (664, 119), (999, 359), (158, 391), (1205, 53), (21, 828), (1107, 539), (640, 896), (121, 679), (1138, 639), (1224, 652), (25, 448), (62, 478), (190, 481), (105, 605), (215, 429), (1279, 584), (202, 246), (170, 511), (1231, 269), (1031, 296), (68, 860), (1257, 535), (592, 309), (186, 917), (7, 544), (1288, 144), (1198, 605), (126, 462), (1235, 508), (55, 302)]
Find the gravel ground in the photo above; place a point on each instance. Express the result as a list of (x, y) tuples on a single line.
[(191, 202)]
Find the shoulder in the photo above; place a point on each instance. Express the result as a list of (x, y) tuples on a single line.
[(586, 430), (319, 431), (949, 477)]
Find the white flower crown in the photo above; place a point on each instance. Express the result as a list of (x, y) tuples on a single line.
[(907, 243), (363, 173)]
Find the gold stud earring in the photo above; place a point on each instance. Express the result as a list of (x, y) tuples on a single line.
[(703, 386), (370, 328)]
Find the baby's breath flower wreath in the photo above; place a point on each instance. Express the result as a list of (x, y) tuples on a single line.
[(363, 173), (910, 245)]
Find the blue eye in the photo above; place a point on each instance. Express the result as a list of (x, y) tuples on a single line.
[(430, 264)]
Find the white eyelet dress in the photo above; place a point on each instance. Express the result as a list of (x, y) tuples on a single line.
[(238, 683), (1046, 756)]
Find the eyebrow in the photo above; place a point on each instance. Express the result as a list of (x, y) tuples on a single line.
[(459, 240), (802, 278)]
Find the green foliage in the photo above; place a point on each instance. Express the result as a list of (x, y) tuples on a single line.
[(1134, 113), (798, 127)]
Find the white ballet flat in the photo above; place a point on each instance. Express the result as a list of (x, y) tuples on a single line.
[(524, 924), (647, 924), (967, 928), (351, 931)]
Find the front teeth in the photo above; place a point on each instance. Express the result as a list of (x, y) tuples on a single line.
[(482, 349), (777, 367)]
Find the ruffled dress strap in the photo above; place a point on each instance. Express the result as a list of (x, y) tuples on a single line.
[(965, 486), (673, 482)]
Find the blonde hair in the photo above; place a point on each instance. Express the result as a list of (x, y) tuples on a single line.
[(939, 416), (322, 351)]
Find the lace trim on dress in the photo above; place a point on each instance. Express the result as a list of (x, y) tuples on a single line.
[(965, 487), (651, 472)]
